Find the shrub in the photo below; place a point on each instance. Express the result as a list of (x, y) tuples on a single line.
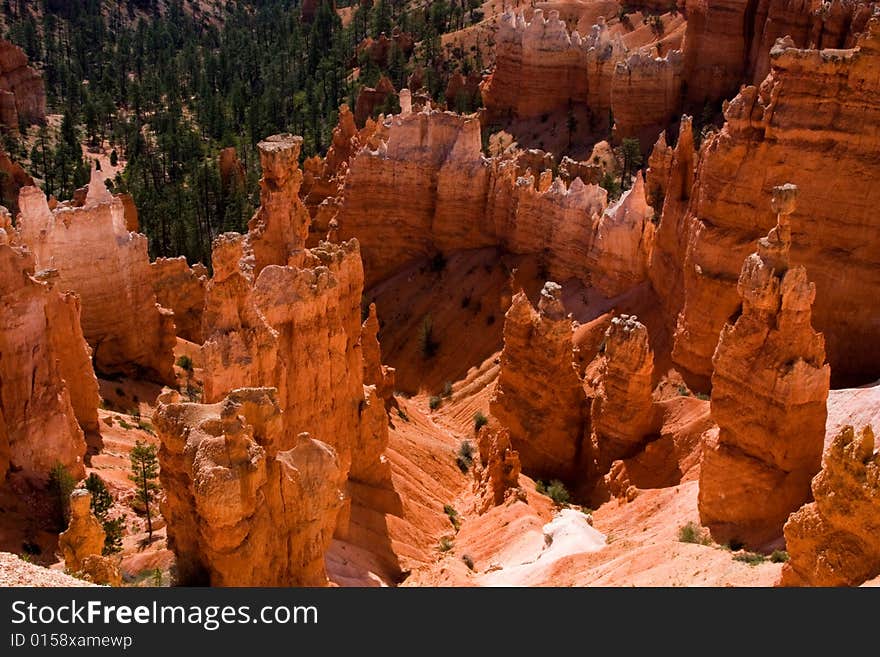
[(692, 533), (401, 412), (124, 424), (468, 561), (541, 487), (450, 511), (185, 363), (751, 558), (779, 556), (143, 425), (61, 485), (465, 456), (434, 402), (683, 391), (446, 544), (557, 492), (480, 421), (447, 389), (427, 344), (703, 396)]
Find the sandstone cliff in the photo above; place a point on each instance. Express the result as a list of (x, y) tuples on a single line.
[(769, 389), (245, 504), (833, 541), (181, 289), (834, 223), (22, 93), (539, 397), (48, 391), (109, 269)]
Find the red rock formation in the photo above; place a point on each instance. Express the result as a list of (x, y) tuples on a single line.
[(47, 384), (22, 94), (108, 267), (621, 244), (246, 504), (834, 223), (463, 90), (539, 397), (181, 289), (12, 179), (769, 390), (380, 50), (370, 100), (232, 172), (428, 188), (496, 477), (622, 413), (833, 541), (375, 373), (646, 95)]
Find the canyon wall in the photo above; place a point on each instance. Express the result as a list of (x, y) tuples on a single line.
[(48, 391), (22, 93), (108, 267), (426, 187), (181, 289), (834, 226), (769, 390)]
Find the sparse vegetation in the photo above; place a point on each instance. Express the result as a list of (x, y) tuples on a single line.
[(465, 456), (143, 425), (144, 470), (101, 503), (751, 558), (779, 556), (402, 414), (434, 402), (447, 389), (124, 424), (693, 533), (446, 544), (556, 491), (185, 363), (450, 511), (468, 561), (61, 485), (427, 344), (480, 421), (702, 396), (683, 391)]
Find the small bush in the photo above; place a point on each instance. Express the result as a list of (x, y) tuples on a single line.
[(450, 511), (438, 262), (465, 456), (143, 425), (541, 487), (446, 544), (703, 396), (427, 344), (480, 421), (557, 492), (683, 391), (447, 389), (124, 424), (401, 412), (751, 558), (692, 533), (434, 402), (185, 363), (468, 561), (779, 556)]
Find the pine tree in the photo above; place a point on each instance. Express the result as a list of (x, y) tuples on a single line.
[(144, 470)]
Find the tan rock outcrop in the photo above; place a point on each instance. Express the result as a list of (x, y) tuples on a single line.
[(769, 390), (375, 373), (22, 93), (834, 222), (84, 536), (496, 478), (426, 187), (12, 178), (622, 240), (181, 288), (835, 540), (246, 505), (646, 94), (622, 413), (100, 570), (370, 100), (539, 397), (48, 391), (109, 269)]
